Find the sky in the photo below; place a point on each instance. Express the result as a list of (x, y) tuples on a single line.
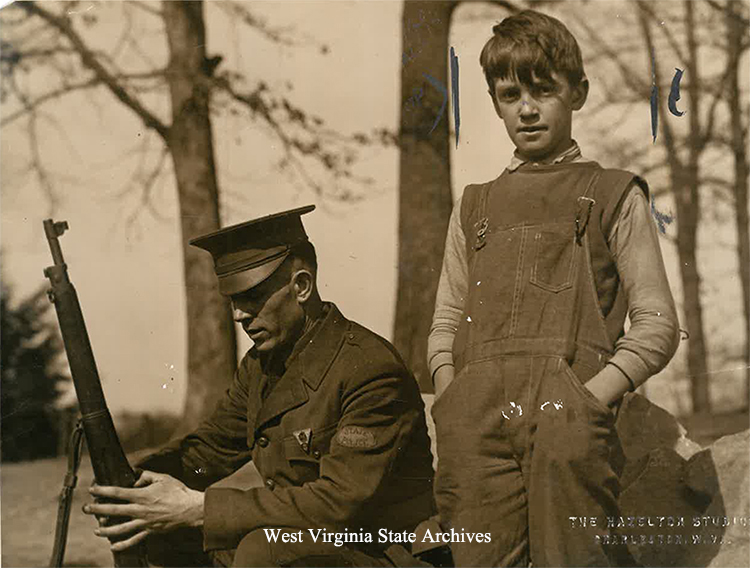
[(125, 261)]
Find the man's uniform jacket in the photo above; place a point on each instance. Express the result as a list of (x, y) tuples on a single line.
[(340, 441)]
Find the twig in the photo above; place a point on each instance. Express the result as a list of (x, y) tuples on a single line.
[(145, 7), (90, 61), (33, 105)]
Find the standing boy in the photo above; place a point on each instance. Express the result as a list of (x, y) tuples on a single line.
[(527, 348)]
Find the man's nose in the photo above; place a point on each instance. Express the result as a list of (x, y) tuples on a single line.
[(240, 315)]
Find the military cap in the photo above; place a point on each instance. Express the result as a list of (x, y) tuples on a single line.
[(248, 253)]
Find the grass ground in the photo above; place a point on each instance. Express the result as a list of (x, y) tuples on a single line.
[(30, 492)]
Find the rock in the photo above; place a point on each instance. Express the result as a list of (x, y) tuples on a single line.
[(662, 506), (686, 447), (731, 459), (644, 426), (706, 492)]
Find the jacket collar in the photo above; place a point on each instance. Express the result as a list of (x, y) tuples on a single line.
[(309, 364)]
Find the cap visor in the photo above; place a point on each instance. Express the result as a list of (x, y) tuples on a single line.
[(242, 281)]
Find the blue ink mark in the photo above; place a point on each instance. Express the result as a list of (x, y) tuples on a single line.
[(415, 98), (454, 92), (674, 93), (662, 219), (654, 99), (435, 83)]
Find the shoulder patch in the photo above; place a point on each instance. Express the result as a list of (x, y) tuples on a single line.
[(355, 437)]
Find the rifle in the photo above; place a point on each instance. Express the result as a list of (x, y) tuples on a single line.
[(110, 465)]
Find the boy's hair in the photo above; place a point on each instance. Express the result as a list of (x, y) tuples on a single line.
[(531, 42)]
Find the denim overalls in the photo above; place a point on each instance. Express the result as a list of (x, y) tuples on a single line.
[(523, 445)]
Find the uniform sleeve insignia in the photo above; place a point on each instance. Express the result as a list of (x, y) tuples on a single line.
[(303, 437), (355, 437)]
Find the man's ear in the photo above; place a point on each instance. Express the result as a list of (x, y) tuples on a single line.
[(580, 93), (303, 284)]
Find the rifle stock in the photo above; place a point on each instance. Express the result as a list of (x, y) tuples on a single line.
[(108, 459)]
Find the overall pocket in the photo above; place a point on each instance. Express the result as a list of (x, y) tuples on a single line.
[(585, 393), (554, 257)]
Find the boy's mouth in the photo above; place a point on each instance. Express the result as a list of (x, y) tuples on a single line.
[(531, 129)]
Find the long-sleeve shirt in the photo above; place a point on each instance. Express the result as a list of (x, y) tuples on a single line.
[(653, 336)]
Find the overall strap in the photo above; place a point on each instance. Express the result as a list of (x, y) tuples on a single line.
[(584, 207), (474, 218), (482, 219)]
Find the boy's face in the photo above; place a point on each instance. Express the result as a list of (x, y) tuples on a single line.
[(538, 117)]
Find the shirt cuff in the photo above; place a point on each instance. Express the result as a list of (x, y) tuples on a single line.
[(440, 360), (634, 368)]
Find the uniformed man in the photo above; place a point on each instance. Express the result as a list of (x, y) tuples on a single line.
[(324, 408)]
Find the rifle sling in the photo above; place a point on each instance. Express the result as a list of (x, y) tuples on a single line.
[(66, 496)]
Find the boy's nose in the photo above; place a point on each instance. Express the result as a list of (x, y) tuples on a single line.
[(528, 106)]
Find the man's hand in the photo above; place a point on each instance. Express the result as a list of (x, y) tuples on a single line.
[(157, 503)]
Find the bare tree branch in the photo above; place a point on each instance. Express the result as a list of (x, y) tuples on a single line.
[(36, 162), (36, 103), (89, 59), (125, 35), (669, 138), (147, 183), (281, 36), (330, 149), (708, 131), (145, 7), (717, 6), (632, 78), (671, 40)]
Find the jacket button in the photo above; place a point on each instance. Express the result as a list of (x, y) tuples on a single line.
[(263, 441), (316, 454), (270, 483)]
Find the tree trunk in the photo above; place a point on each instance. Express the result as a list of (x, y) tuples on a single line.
[(685, 182), (211, 342), (425, 198), (735, 32), (686, 195), (688, 211)]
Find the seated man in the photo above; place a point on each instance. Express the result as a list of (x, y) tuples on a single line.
[(325, 409)]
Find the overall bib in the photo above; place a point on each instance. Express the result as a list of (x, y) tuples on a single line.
[(522, 444)]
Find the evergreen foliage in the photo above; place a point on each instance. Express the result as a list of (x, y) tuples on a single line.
[(30, 367)]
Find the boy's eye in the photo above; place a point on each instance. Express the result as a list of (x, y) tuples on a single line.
[(545, 89), (506, 95)]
